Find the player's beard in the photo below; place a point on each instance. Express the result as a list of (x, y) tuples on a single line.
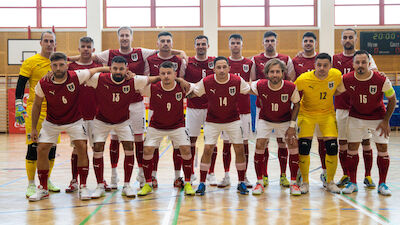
[(360, 71), (275, 80), (59, 74), (118, 77), (270, 49), (348, 46)]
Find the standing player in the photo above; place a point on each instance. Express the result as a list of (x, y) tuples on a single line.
[(63, 114), (365, 89), (168, 119), (276, 98), (152, 65), (197, 68), (269, 42), (316, 108), (86, 95), (222, 91), (244, 68), (32, 70), (344, 62)]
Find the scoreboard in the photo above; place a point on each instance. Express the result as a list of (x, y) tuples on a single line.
[(380, 42)]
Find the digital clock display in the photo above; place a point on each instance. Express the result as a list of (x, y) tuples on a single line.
[(381, 42)]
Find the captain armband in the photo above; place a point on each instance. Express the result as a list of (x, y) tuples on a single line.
[(389, 93)]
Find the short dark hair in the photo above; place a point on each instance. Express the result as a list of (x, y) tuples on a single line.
[(361, 52), (164, 33), (236, 36), (57, 56), (86, 40), (221, 58), (323, 56), (201, 37), (309, 34), (167, 64), (119, 59), (273, 62), (349, 29), (47, 32), (125, 28), (269, 34)]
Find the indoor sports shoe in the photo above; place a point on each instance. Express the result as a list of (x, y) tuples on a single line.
[(178, 183), (333, 188), (225, 182), (242, 189), (258, 189), (99, 191), (265, 181), (247, 182), (30, 190), (350, 188), (384, 190), (73, 186), (343, 181), (284, 182), (154, 182), (106, 186), (295, 190), (369, 183), (201, 189), (52, 187), (188, 189), (84, 193), (304, 188), (212, 180), (114, 182), (146, 190), (323, 178), (39, 194), (128, 191)]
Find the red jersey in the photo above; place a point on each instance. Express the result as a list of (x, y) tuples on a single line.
[(154, 62), (366, 97), (195, 71), (167, 107), (260, 61), (61, 99), (302, 64), (242, 68), (345, 65), (275, 104), (87, 95)]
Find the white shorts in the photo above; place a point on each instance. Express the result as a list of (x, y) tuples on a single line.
[(245, 125), (178, 136), (101, 130), (232, 129), (137, 118), (89, 130), (50, 131), (150, 114), (358, 129), (342, 116), (265, 129), (195, 118), (257, 117)]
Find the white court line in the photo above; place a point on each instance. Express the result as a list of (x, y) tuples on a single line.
[(171, 204)]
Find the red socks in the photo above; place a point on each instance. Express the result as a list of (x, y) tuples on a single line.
[(114, 153)]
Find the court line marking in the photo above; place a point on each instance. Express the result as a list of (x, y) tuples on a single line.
[(178, 208)]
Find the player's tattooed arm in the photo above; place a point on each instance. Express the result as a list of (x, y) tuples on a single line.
[(36, 107)]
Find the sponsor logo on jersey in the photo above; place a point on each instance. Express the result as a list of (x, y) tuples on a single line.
[(373, 89), (134, 57), (105, 85), (339, 62), (178, 96), (353, 88), (126, 89), (213, 91), (211, 65), (52, 92), (175, 65), (159, 95), (232, 90), (246, 68), (331, 84), (284, 98), (265, 96), (300, 64), (71, 87)]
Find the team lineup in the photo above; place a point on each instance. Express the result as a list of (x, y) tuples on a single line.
[(338, 99)]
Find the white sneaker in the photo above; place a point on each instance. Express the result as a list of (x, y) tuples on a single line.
[(212, 180), (99, 192), (350, 188), (295, 190), (225, 182), (114, 182), (247, 183), (128, 192), (304, 188), (39, 195), (384, 190), (333, 188), (84, 193)]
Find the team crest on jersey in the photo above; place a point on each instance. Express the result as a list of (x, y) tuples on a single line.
[(134, 57), (284, 98), (175, 65), (71, 87), (178, 96), (246, 68), (232, 91), (211, 65), (373, 89), (331, 84), (126, 89)]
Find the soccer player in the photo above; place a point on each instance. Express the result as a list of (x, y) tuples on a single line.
[(222, 91), (168, 119), (86, 95), (152, 65), (198, 67), (63, 114), (316, 108), (276, 96), (244, 68), (32, 70), (113, 94), (269, 43), (365, 89), (344, 62)]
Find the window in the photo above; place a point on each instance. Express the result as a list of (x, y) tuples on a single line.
[(267, 13), (156, 13), (58, 13)]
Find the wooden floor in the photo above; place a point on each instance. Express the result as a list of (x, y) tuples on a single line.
[(169, 206)]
